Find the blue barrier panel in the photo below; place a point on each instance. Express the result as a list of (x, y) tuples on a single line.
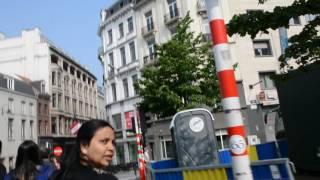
[(261, 172), (225, 157), (229, 173), (267, 151), (283, 147), (166, 164)]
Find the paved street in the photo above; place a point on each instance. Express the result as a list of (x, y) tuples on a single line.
[(127, 175)]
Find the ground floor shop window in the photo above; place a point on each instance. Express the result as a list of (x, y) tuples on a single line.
[(133, 151), (222, 139), (120, 154), (166, 148)]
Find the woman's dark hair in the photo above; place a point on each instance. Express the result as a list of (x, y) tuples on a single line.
[(27, 160), (84, 136)]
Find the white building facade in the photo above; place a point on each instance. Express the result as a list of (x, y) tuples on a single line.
[(155, 22), (18, 117), (119, 57), (72, 87)]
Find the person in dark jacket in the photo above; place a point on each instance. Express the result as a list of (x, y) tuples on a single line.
[(93, 152), (29, 165), (3, 169)]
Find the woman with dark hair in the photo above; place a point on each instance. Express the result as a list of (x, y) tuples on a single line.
[(93, 152), (29, 164), (3, 170)]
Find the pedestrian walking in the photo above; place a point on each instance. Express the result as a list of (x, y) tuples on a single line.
[(3, 170), (29, 164), (93, 152)]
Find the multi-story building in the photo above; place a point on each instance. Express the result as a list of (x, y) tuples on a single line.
[(18, 116), (72, 87), (102, 113), (121, 69), (155, 23)]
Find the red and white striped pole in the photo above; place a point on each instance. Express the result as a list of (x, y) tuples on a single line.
[(230, 98), (141, 161)]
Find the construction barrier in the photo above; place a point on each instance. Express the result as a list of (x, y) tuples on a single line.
[(262, 169), (266, 163)]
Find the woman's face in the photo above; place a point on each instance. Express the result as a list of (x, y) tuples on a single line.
[(101, 149)]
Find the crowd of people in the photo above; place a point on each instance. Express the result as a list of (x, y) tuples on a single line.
[(89, 158)]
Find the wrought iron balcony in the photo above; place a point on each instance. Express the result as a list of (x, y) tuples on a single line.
[(148, 30)]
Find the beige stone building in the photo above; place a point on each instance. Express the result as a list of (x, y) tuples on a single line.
[(71, 86)]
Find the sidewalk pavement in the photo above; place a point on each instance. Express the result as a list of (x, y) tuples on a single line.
[(127, 175)]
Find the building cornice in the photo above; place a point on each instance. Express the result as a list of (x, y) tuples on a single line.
[(114, 17)]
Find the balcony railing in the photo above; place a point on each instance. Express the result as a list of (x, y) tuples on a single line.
[(148, 60), (201, 6), (147, 30), (206, 37), (268, 97), (172, 16)]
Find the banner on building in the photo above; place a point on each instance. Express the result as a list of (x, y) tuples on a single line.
[(128, 117)]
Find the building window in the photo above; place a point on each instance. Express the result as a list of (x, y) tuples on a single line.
[(10, 83), (166, 148), (53, 78), (23, 129), (123, 55), (130, 25), (114, 92), (31, 109), (10, 129), (222, 139), (66, 104), (74, 105), (46, 111), (152, 48), (132, 51), (10, 105), (53, 125), (117, 121), (134, 80), (173, 9), (121, 32), (23, 107), (43, 87), (132, 151), (295, 21), (60, 101), (40, 127), (120, 154), (39, 108), (262, 48), (54, 100), (80, 108), (110, 36), (31, 129), (86, 109), (111, 63), (46, 127), (149, 21), (125, 88), (266, 81), (59, 79)]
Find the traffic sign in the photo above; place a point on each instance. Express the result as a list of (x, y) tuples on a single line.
[(57, 151)]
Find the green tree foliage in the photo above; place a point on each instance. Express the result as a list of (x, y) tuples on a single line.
[(183, 77), (304, 48)]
